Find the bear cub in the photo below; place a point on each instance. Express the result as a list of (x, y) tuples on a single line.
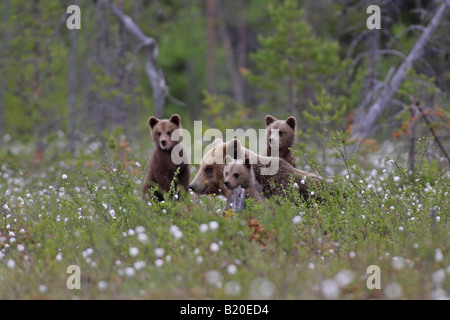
[(284, 139), (240, 173), (162, 169)]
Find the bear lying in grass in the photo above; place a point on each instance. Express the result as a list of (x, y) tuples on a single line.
[(162, 169), (275, 175)]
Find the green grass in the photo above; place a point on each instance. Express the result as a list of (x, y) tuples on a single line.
[(93, 217)]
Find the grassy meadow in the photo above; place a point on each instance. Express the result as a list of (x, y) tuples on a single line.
[(85, 211)]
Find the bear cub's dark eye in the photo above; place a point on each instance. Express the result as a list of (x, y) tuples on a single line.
[(208, 169), (159, 134), (280, 133), (169, 133), (236, 175)]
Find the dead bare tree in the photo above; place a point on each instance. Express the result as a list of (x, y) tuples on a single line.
[(154, 72), (365, 120)]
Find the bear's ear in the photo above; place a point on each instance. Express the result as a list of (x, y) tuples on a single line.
[(292, 122), (228, 159), (176, 119), (216, 142), (269, 120), (233, 148), (153, 121), (247, 163)]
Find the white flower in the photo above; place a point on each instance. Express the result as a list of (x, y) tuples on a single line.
[(396, 178), (330, 289), (204, 228), (139, 265), (134, 251), (102, 285), (214, 247), (297, 219), (159, 263), (130, 272), (142, 237), (213, 225), (159, 252), (42, 288), (20, 247), (11, 264), (64, 176), (231, 269), (438, 256), (312, 193)]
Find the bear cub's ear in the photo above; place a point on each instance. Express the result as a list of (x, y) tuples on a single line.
[(291, 122), (228, 159), (269, 120), (247, 163), (152, 121), (176, 119)]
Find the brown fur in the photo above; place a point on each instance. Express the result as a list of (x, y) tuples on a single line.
[(272, 185), (241, 174), (161, 169), (284, 139)]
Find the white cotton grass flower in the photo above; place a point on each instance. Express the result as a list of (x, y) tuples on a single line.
[(130, 272), (438, 256), (261, 289), (204, 228), (297, 219), (102, 285), (330, 289), (344, 278), (176, 232), (214, 277), (393, 290), (232, 288), (134, 251), (139, 265), (396, 178), (398, 263), (159, 263), (231, 269), (142, 237), (214, 247), (42, 288), (64, 176), (438, 277), (139, 229), (11, 264), (213, 225), (159, 252)]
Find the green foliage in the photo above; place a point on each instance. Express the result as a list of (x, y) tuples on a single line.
[(292, 63)]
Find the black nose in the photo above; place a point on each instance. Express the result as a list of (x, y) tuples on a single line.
[(227, 184), (270, 140), (163, 142), (191, 186)]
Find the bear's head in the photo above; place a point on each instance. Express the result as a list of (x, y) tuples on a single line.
[(283, 139), (237, 173), (162, 131), (209, 177)]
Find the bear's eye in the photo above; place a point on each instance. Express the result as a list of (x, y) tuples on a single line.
[(159, 134), (208, 170), (226, 174), (169, 133), (280, 133), (236, 175)]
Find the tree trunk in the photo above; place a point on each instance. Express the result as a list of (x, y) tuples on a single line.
[(364, 125), (233, 71), (154, 73), (3, 82), (211, 54), (72, 87)]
